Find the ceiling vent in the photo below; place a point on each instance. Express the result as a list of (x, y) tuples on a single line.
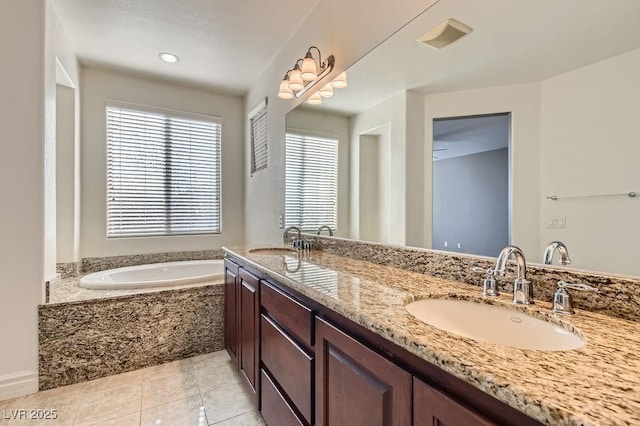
[(445, 34)]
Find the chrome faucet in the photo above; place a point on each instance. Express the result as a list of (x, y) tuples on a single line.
[(522, 289), (551, 249), (324, 227), (299, 242), (290, 228)]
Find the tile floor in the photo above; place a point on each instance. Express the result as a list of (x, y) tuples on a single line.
[(198, 391)]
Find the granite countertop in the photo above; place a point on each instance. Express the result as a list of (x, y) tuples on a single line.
[(596, 384), (68, 290)]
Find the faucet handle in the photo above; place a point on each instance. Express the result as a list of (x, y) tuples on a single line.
[(562, 302), (482, 270), (575, 286), (489, 284)]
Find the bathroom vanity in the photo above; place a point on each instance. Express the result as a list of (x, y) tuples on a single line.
[(325, 339)]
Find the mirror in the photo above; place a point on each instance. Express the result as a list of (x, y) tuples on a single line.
[(567, 74)]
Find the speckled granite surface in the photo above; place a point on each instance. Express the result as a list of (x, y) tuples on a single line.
[(596, 384), (85, 340), (617, 295), (68, 270), (68, 290), (95, 264)]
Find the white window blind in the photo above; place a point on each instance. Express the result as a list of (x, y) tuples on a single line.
[(163, 172), (311, 181), (258, 121)]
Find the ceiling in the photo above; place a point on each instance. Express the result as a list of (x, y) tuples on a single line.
[(512, 42), (225, 45), (455, 137)]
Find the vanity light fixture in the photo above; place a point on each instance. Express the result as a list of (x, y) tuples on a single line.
[(326, 91), (340, 81), (168, 57), (315, 99), (306, 73), (295, 79)]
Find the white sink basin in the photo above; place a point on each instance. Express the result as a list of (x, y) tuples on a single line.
[(273, 251), (494, 324)]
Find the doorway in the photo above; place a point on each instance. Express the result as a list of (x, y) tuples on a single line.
[(471, 177)]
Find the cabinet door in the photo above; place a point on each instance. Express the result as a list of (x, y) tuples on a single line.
[(249, 326), (231, 309), (356, 386), (431, 407)]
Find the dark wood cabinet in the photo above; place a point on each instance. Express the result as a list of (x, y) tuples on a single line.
[(231, 309), (290, 314), (286, 354), (355, 385), (249, 326), (432, 407), (275, 410), (306, 365), (291, 366)]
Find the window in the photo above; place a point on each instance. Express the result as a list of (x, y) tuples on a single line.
[(258, 121), (311, 181), (163, 172)]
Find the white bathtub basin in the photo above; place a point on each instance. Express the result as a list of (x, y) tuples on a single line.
[(155, 275), (494, 324)]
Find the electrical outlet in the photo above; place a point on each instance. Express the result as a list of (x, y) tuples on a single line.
[(556, 222), (446, 243), (281, 222), (459, 245)]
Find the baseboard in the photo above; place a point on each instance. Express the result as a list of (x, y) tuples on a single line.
[(18, 384)]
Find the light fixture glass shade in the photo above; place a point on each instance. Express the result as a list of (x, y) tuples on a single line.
[(315, 99), (326, 91), (340, 81), (285, 91), (308, 72), (295, 81)]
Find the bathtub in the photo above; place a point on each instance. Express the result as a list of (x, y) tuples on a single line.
[(155, 275)]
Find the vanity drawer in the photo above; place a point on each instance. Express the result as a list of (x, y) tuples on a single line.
[(289, 364), (290, 314), (274, 409)]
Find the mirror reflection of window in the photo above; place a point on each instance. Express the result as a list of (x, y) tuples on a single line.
[(311, 180)]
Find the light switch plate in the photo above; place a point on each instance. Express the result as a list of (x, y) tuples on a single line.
[(556, 222)]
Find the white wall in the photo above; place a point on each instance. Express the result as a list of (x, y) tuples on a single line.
[(370, 226), (49, 169), (23, 125), (523, 101), (65, 174), (99, 86), (330, 26), (415, 159), (590, 144), (67, 163), (388, 120), (336, 125)]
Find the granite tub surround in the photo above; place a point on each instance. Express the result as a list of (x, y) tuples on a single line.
[(69, 290), (617, 295), (96, 264), (596, 384), (85, 340), (68, 269)]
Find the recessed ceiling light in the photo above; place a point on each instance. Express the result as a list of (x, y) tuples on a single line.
[(168, 57)]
